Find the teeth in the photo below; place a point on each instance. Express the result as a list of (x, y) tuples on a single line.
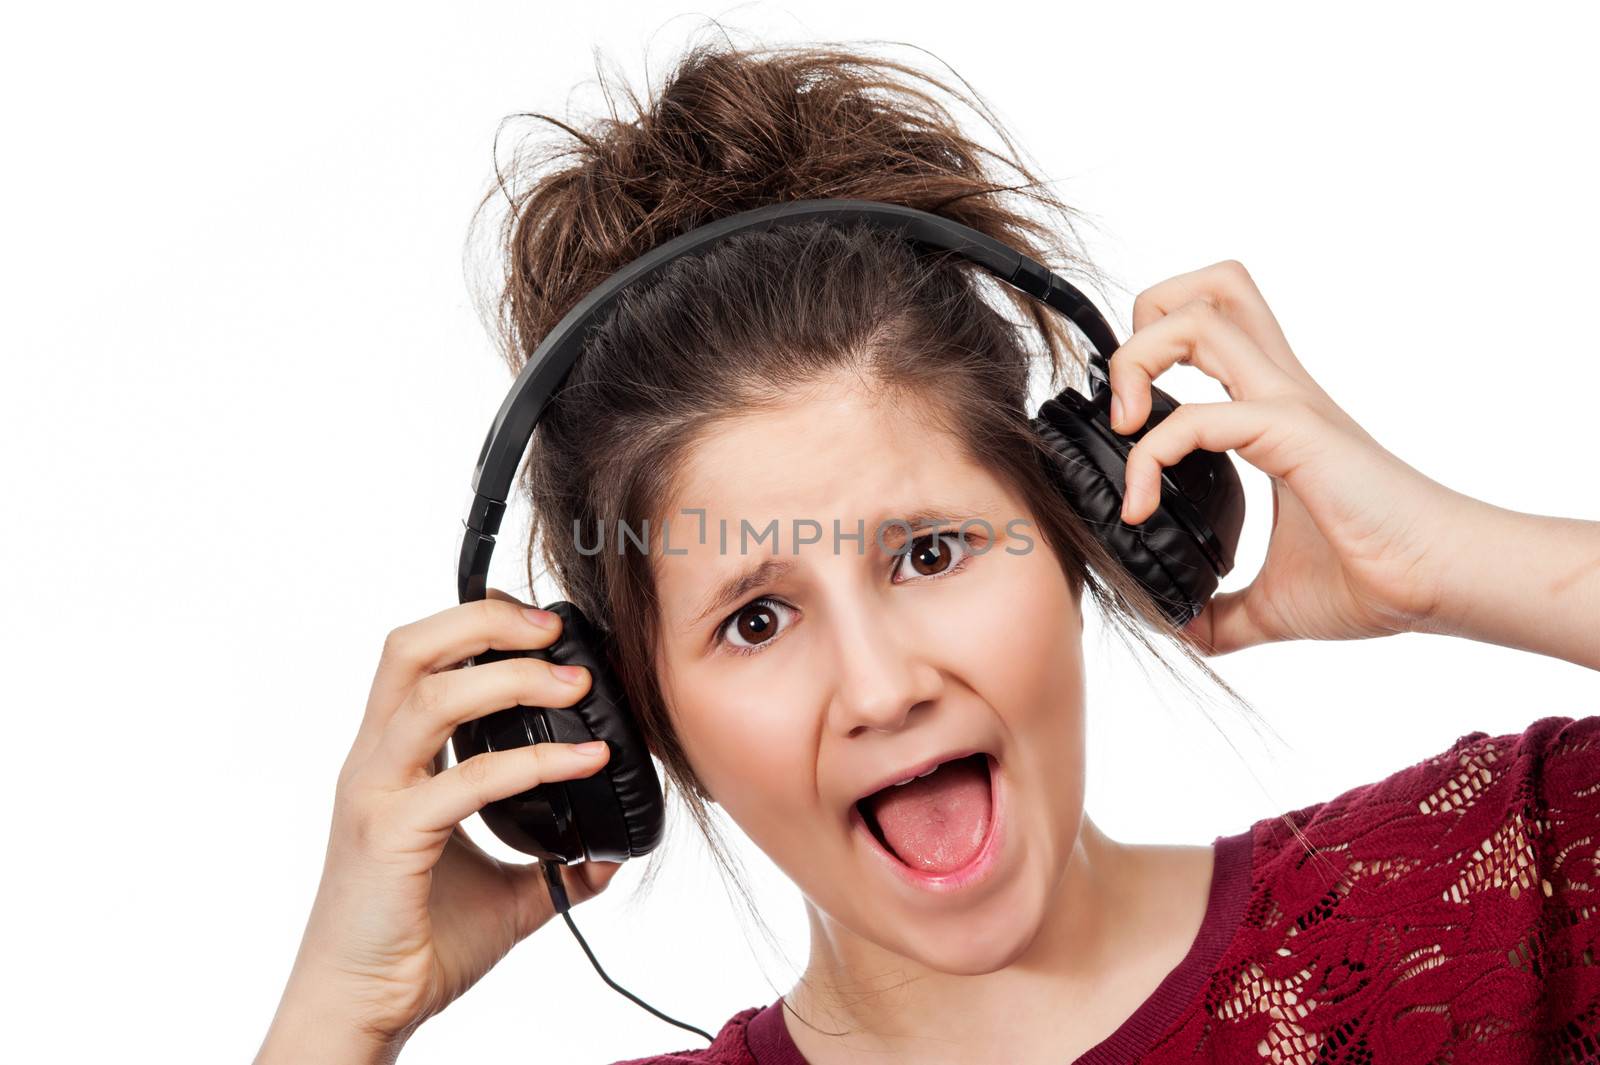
[(919, 776)]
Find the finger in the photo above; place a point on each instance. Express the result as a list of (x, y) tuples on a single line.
[(1231, 288), (441, 757), (439, 703), (439, 803), (1195, 334), (1268, 433), (441, 642)]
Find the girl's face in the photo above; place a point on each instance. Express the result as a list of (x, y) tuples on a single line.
[(845, 666)]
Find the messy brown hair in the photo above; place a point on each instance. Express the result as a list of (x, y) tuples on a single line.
[(738, 329)]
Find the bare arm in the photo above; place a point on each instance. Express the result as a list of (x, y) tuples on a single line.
[(304, 1033), (1520, 580)]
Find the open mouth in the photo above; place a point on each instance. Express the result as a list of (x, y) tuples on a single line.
[(938, 824)]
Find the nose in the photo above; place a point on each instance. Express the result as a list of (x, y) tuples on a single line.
[(883, 670)]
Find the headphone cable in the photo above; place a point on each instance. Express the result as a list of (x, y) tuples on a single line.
[(558, 896)]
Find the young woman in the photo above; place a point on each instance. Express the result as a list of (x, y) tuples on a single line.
[(1447, 913)]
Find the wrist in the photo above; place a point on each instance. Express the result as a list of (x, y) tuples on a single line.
[(1527, 581), (1455, 575), (307, 1030)]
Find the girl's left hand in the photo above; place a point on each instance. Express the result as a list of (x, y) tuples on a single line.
[(1356, 532)]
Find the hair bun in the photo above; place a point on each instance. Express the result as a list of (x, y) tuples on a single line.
[(733, 129)]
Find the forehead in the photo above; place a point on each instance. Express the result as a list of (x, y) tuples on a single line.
[(838, 452), (842, 449)]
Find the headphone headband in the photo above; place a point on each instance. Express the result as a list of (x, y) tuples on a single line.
[(509, 435)]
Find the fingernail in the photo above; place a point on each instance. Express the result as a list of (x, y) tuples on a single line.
[(1116, 410), (542, 618), (590, 747), (570, 674)]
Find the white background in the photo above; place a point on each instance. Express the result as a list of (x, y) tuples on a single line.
[(244, 385)]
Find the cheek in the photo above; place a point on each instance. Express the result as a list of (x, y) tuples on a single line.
[(1024, 640), (1028, 630), (757, 758)]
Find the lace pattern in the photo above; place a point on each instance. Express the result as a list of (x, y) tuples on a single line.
[(1444, 915)]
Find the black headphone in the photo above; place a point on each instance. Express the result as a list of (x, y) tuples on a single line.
[(1179, 554)]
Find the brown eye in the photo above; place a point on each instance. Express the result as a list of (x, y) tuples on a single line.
[(929, 555), (753, 626)]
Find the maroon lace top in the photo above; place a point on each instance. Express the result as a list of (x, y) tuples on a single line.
[(1449, 913)]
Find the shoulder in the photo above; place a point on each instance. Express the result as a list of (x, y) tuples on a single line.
[(729, 1047), (1480, 789), (1447, 909)]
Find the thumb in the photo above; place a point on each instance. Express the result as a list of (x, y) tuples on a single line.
[(583, 881), (593, 876), (1223, 626)]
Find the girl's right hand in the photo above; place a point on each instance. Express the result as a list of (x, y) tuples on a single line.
[(410, 912)]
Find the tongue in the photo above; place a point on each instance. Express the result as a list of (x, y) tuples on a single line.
[(937, 822)]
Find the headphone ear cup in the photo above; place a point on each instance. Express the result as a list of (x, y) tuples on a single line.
[(1180, 553), (612, 815)]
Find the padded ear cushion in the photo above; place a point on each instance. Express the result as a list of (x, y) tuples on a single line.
[(1163, 553), (611, 815), (620, 811)]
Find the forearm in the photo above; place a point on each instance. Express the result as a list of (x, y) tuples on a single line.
[(305, 1033), (1520, 580)]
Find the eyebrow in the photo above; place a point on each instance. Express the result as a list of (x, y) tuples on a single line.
[(742, 584), (773, 568)]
